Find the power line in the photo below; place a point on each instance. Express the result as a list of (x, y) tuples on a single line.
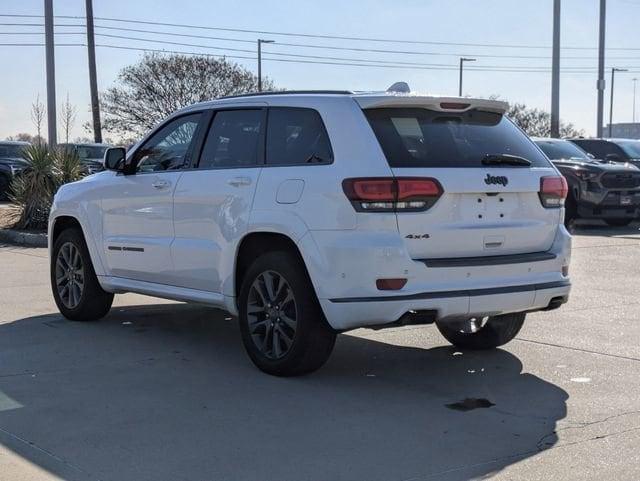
[(286, 44), (393, 66), (320, 36)]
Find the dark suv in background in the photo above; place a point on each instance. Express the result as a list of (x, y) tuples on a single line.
[(91, 155), (598, 189), (614, 150), (11, 163)]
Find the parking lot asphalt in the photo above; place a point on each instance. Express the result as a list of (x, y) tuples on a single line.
[(164, 391)]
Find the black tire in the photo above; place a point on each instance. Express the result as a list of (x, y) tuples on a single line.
[(311, 341), (570, 209), (93, 302), (497, 331), (618, 222), (5, 185)]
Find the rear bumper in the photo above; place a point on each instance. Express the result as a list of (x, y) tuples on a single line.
[(344, 266), (348, 313)]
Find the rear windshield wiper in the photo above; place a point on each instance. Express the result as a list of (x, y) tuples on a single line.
[(505, 159)]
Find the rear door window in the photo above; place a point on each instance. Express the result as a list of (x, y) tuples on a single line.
[(426, 138), (233, 140), (297, 136)]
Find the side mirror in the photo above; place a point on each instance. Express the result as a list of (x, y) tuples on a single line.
[(114, 158)]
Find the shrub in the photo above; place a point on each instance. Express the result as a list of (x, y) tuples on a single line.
[(33, 189)]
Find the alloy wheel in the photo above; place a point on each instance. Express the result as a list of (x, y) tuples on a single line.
[(69, 275), (272, 314)]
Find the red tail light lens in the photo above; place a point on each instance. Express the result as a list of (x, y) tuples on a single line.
[(394, 194), (553, 191)]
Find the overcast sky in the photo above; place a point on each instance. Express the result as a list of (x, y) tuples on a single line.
[(519, 23)]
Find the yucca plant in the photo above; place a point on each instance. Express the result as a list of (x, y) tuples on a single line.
[(32, 190), (67, 166)]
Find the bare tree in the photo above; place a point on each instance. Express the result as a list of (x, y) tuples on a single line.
[(537, 122), (38, 111), (25, 137), (158, 85), (67, 118)]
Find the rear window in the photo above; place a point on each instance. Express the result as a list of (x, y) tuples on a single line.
[(562, 149), (425, 138), (630, 147), (11, 151), (599, 148)]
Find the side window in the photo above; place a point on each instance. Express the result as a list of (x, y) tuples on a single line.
[(168, 148), (296, 136), (233, 139)]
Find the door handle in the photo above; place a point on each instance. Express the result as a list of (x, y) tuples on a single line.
[(239, 181), (160, 184)]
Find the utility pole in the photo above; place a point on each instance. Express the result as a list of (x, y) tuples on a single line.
[(51, 72), (93, 81), (555, 72), (260, 42), (462, 61), (601, 82), (613, 72), (635, 81)]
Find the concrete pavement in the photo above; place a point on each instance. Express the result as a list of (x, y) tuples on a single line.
[(163, 391)]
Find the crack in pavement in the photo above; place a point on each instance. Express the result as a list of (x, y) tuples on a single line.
[(47, 453), (539, 449), (577, 349)]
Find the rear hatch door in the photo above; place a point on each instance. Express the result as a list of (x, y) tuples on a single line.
[(490, 174)]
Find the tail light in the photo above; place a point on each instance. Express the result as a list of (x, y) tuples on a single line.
[(392, 194), (553, 191)]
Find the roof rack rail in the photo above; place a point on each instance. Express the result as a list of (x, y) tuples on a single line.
[(288, 92)]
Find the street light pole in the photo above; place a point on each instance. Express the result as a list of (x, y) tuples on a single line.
[(635, 81), (613, 72), (51, 72), (555, 72), (462, 60), (260, 42), (93, 79), (600, 85)]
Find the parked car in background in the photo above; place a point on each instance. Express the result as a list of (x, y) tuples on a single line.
[(91, 155), (614, 150), (598, 189), (11, 163), (309, 214)]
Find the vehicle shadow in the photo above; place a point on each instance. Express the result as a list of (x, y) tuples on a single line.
[(596, 228), (165, 392)]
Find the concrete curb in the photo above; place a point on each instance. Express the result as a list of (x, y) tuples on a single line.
[(22, 238)]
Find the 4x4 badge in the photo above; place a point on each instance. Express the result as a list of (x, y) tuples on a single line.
[(496, 179)]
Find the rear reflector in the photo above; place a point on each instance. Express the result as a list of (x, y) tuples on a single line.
[(392, 194), (553, 191), (390, 284)]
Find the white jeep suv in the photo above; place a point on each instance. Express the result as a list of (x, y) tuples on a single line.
[(311, 213)]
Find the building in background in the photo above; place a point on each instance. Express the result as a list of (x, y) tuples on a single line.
[(624, 130)]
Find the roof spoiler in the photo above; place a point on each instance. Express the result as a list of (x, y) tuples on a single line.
[(439, 104)]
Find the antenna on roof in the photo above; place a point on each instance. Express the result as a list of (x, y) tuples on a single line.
[(400, 87)]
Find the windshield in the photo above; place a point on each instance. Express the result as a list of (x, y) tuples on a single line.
[(630, 147), (414, 137), (11, 151), (562, 149)]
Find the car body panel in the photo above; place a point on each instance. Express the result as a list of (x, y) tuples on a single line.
[(192, 231)]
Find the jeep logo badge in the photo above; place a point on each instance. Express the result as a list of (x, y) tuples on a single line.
[(496, 179)]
